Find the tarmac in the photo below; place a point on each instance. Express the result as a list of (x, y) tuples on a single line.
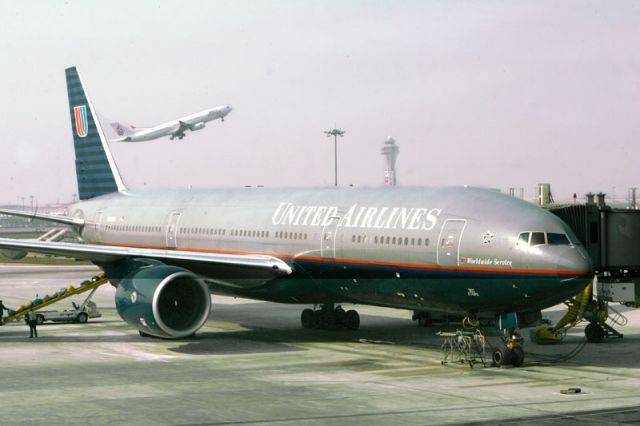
[(252, 363)]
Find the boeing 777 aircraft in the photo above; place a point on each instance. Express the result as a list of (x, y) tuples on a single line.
[(457, 250), (173, 129)]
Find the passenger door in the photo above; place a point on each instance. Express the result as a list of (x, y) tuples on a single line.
[(172, 229), (449, 242), (328, 238)]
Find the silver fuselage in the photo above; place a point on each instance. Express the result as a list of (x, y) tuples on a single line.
[(171, 127), (449, 249)]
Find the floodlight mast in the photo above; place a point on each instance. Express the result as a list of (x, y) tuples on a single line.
[(335, 133)]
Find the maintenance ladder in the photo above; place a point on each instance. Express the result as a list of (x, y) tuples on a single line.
[(71, 291)]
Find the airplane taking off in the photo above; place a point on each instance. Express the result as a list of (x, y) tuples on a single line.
[(173, 129), (457, 250)]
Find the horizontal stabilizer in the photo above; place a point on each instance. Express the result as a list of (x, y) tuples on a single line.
[(65, 220)]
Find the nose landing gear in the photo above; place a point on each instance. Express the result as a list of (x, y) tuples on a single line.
[(329, 317), (511, 352)]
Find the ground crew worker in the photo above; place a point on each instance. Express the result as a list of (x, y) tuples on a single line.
[(32, 319), (2, 308)]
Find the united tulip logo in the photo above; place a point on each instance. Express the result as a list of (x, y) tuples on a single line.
[(82, 126)]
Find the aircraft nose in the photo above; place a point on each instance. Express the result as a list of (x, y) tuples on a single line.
[(577, 260), (228, 109)]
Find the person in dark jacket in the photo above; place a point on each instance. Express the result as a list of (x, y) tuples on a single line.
[(2, 309), (32, 319)]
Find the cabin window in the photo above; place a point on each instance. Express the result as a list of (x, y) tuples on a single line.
[(426, 242), (555, 239), (393, 241), (419, 241), (406, 241), (413, 241), (537, 238)]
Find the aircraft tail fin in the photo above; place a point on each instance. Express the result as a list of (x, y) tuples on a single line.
[(122, 129), (96, 169)]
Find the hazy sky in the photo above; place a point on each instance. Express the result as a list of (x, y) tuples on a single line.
[(491, 93)]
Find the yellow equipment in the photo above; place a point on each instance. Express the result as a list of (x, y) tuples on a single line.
[(24, 309), (577, 308)]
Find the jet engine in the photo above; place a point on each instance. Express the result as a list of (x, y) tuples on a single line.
[(13, 254), (198, 126), (163, 301)]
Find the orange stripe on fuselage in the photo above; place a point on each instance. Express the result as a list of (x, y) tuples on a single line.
[(417, 267)]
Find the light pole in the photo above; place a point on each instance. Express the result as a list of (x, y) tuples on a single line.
[(335, 133)]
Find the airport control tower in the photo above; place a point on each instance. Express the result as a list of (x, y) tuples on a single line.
[(390, 151)]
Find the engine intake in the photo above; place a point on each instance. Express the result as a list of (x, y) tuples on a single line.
[(13, 254), (163, 301)]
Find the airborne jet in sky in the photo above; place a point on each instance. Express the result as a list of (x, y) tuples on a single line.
[(173, 129), (457, 250)]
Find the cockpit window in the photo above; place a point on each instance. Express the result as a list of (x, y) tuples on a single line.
[(523, 238), (537, 238), (557, 239)]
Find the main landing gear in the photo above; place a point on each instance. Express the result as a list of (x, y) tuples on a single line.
[(329, 317)]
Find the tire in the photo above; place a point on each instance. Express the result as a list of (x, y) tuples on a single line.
[(425, 320), (340, 318), (517, 358), (352, 320), (594, 333), (82, 317), (501, 356), (40, 319), (306, 318)]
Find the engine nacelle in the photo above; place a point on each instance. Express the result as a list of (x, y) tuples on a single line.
[(13, 254), (163, 301), (198, 126)]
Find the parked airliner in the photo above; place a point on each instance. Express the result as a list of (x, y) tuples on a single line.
[(173, 129), (456, 250)]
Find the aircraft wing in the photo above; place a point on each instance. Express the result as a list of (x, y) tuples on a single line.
[(65, 220), (106, 254), (184, 126)]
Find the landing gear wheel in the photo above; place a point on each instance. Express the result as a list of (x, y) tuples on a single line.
[(594, 333), (82, 317), (330, 318), (425, 320), (517, 356), (307, 318), (40, 319), (352, 320), (502, 356), (339, 318)]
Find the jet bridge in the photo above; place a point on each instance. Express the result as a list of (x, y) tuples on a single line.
[(611, 236)]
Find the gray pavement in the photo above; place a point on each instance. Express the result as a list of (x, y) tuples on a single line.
[(253, 364)]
